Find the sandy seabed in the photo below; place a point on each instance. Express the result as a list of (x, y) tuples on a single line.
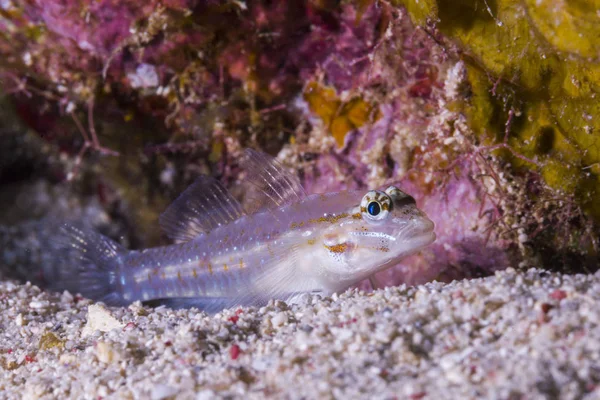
[(530, 335)]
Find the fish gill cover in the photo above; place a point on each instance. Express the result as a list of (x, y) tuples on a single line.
[(484, 111)]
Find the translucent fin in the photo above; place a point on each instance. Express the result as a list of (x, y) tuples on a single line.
[(99, 259), (202, 207), (281, 278), (374, 282), (209, 305), (271, 185), (213, 305)]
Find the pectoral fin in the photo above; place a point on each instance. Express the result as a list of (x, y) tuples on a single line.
[(280, 277)]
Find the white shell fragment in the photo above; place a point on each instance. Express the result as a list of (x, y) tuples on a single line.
[(99, 319)]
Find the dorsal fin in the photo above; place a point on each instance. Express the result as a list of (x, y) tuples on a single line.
[(272, 185), (202, 207)]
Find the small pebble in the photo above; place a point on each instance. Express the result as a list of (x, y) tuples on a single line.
[(39, 304), (99, 319), (106, 353), (279, 319), (160, 392)]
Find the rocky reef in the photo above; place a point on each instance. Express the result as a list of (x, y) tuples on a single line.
[(485, 112)]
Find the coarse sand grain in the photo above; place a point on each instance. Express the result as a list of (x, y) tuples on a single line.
[(531, 334)]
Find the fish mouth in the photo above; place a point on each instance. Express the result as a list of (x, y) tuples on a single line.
[(424, 239), (414, 240), (420, 231)]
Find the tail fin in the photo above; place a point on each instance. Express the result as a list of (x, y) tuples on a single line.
[(97, 270)]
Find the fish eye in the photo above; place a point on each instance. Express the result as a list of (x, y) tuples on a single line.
[(375, 205), (374, 208)]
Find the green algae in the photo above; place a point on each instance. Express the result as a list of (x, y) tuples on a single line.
[(539, 59)]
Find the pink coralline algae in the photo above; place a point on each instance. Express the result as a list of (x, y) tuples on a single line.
[(97, 27), (465, 246)]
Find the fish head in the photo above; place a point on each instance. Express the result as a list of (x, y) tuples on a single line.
[(382, 228)]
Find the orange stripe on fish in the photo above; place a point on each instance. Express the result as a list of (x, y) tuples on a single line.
[(338, 248)]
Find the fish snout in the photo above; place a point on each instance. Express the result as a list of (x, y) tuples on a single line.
[(418, 227), (426, 224)]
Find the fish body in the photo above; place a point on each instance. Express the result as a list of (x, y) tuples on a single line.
[(292, 243)]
